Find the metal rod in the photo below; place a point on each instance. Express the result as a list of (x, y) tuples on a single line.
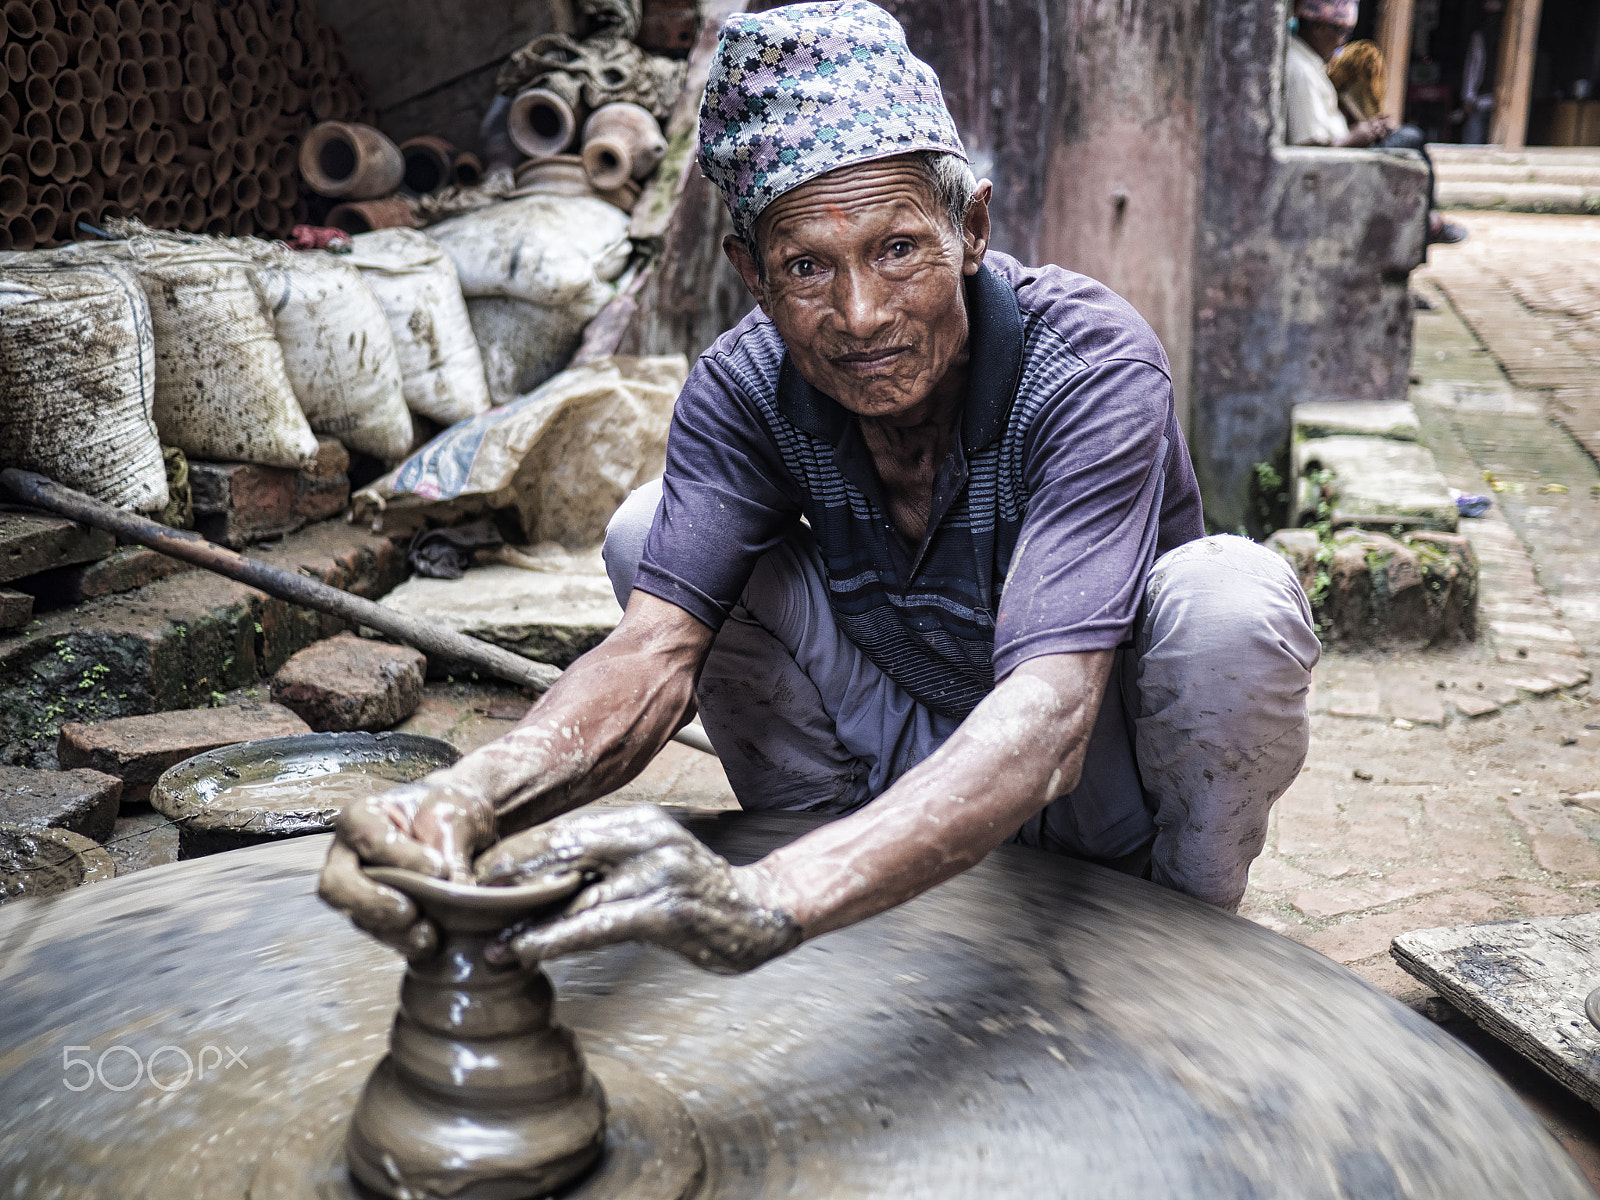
[(45, 493)]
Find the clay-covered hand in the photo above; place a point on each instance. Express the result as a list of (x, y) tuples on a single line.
[(432, 828), (654, 882)]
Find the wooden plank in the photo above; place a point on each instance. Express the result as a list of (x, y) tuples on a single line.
[(1394, 39), (1524, 982), (1519, 39)]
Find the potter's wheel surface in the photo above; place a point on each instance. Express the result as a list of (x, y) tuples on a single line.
[(1035, 1027)]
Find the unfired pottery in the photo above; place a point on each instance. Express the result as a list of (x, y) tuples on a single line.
[(621, 142), (481, 1096)]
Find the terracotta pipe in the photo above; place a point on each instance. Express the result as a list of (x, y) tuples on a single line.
[(171, 18), (541, 123), (81, 195), (221, 199), (350, 161), (109, 157), (19, 19), (246, 191), (141, 114), (7, 137), (5, 237), (150, 182), (20, 232), (200, 71), (244, 155), (171, 212), (74, 221), (255, 47), (621, 142), (80, 29), (66, 167), (271, 186), (128, 16), (42, 58), (217, 49), (104, 17), (200, 179), (37, 124), (116, 107), (217, 224), (144, 147), (69, 122), (468, 170), (43, 221), (13, 196), (252, 123), (219, 105), (222, 168), (149, 43), (130, 79), (127, 187), (193, 102), (44, 16), (292, 54), (193, 216), (244, 16), (128, 47), (268, 216), (363, 216), (243, 84), (82, 159), (321, 100), (242, 225), (180, 139), (166, 147), (155, 75), (88, 54), (89, 84), (69, 88), (171, 45), (16, 60), (261, 157), (194, 39), (109, 54), (10, 110), (283, 159), (150, 17), (47, 195), (41, 155), (40, 92), (171, 73)]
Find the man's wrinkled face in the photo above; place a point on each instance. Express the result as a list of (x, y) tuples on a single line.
[(863, 277)]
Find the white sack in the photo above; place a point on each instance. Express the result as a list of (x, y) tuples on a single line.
[(77, 379), (338, 349), (416, 283)]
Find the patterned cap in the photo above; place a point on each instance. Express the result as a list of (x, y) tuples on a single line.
[(1334, 12), (801, 90)]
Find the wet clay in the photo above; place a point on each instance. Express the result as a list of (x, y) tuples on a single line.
[(334, 789), (1034, 1027), (481, 1096), (45, 862)]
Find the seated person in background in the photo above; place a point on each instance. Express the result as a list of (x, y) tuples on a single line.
[(1312, 100)]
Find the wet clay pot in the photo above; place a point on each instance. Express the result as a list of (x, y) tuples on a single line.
[(481, 1096), (348, 161), (45, 862), (541, 123), (621, 142)]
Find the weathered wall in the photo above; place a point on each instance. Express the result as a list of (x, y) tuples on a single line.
[(1300, 269), (1085, 115), (429, 67)]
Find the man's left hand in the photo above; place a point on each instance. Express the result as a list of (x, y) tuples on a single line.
[(654, 882)]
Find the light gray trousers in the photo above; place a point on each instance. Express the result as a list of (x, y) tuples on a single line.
[(1203, 726)]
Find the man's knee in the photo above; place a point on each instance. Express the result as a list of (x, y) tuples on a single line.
[(625, 536), (1227, 600)]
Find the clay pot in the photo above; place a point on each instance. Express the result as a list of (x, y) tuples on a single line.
[(541, 123), (45, 862), (563, 175), (350, 161), (430, 164), (621, 142), (363, 216), (481, 1093)]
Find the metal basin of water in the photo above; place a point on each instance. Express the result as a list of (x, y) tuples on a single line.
[(286, 787)]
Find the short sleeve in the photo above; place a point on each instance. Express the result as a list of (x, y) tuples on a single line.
[(1098, 464), (726, 499)]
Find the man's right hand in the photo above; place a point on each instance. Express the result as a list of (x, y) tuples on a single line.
[(1369, 133), (433, 828)]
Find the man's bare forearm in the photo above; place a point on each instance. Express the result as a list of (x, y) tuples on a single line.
[(599, 725), (1022, 747)]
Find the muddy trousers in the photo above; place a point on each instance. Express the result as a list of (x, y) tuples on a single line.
[(1203, 726)]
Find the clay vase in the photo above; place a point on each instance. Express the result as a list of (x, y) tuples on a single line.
[(430, 164), (541, 123), (348, 161), (621, 142), (481, 1096)]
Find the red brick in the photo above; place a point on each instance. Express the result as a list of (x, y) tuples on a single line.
[(121, 571), (81, 801), (240, 503), (30, 543), (138, 749), (1307, 817), (1352, 941), (351, 683)]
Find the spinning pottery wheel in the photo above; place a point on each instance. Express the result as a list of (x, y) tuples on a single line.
[(1035, 1027)]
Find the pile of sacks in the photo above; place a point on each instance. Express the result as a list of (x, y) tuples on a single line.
[(244, 350)]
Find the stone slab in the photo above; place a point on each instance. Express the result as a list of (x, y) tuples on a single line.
[(1377, 484), (1392, 419), (550, 617), (138, 749), (82, 801), (16, 609), (31, 543), (348, 683), (1525, 982)]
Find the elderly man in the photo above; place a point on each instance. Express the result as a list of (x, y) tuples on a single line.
[(928, 553)]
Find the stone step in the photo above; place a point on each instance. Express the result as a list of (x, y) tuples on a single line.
[(1519, 197), (175, 644)]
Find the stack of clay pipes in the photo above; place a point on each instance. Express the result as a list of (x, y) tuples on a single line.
[(359, 166), (183, 113)]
